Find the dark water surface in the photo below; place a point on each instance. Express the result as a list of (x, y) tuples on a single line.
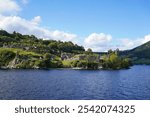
[(66, 84)]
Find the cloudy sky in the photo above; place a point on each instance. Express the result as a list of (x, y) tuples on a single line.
[(96, 24)]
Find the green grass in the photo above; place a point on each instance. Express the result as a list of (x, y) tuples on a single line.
[(67, 63)]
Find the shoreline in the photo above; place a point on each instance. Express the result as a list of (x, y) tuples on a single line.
[(73, 68)]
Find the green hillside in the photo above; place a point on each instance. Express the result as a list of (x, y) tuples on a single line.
[(27, 51), (140, 54)]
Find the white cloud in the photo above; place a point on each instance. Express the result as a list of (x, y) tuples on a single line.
[(16, 23), (95, 38), (36, 20), (104, 42), (146, 39), (98, 42), (61, 35), (126, 44), (9, 7)]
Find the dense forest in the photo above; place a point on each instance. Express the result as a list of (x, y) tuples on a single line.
[(28, 52)]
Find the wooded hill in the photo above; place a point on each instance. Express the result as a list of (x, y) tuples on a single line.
[(27, 51)]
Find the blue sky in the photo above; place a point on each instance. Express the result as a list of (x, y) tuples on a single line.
[(96, 24), (120, 18)]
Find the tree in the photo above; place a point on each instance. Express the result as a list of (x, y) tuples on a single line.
[(113, 61), (110, 51), (89, 51), (47, 56)]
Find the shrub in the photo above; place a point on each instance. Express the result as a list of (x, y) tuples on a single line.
[(6, 56)]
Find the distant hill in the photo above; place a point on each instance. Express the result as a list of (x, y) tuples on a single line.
[(139, 55)]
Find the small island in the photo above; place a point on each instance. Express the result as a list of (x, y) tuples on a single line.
[(19, 51)]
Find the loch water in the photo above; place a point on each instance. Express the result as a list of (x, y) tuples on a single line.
[(68, 84)]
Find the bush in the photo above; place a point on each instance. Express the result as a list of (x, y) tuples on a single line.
[(40, 64), (74, 63), (92, 65), (6, 56), (82, 64)]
